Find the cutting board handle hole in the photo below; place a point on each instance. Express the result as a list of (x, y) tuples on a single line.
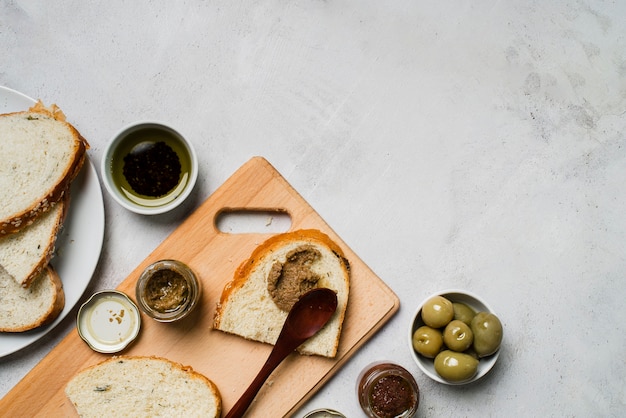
[(250, 221)]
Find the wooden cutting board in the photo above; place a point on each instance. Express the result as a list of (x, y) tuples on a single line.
[(230, 361)]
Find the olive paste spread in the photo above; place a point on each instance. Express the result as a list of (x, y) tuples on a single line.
[(289, 280), (387, 390), (391, 396), (152, 169), (166, 290)]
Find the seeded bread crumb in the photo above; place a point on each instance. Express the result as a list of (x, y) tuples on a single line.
[(41, 155), (23, 255), (23, 309), (134, 386)]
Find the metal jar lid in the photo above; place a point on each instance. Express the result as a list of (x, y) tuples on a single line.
[(324, 413), (109, 321)]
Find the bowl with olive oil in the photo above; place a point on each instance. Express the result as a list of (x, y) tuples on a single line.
[(149, 167)]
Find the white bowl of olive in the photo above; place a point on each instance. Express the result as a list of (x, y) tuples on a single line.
[(455, 337), (149, 167)]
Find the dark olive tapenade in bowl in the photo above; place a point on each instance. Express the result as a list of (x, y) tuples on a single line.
[(149, 167)]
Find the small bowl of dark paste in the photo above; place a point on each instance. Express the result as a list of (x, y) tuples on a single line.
[(387, 390), (167, 290), (149, 168)]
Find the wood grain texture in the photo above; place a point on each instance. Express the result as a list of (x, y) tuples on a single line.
[(230, 361)]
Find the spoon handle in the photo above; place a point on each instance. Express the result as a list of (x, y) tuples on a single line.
[(307, 316), (277, 355)]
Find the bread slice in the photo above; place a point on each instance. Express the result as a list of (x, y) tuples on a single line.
[(128, 386), (41, 155), (24, 309), (247, 307), (23, 255)]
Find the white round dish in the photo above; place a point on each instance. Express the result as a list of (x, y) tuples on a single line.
[(426, 365), (78, 245), (122, 192)]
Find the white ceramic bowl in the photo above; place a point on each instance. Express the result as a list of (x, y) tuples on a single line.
[(133, 136), (426, 364)]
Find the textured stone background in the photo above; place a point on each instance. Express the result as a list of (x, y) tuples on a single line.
[(474, 145)]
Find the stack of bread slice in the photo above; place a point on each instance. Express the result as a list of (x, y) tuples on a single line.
[(42, 155)]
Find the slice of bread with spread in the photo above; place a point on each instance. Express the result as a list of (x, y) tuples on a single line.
[(134, 386), (255, 304), (41, 155), (23, 255), (23, 309)]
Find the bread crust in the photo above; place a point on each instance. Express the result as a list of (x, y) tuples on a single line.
[(54, 310), (259, 257), (48, 252), (174, 364), (186, 369), (59, 303), (51, 244), (271, 244), (50, 197)]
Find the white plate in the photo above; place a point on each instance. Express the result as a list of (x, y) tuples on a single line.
[(78, 245)]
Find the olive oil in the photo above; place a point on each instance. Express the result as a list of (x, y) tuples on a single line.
[(141, 139)]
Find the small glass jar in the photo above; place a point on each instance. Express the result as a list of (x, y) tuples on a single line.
[(324, 413), (386, 390), (167, 290)]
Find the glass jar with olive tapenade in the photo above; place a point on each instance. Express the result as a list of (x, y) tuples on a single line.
[(386, 390), (167, 290)]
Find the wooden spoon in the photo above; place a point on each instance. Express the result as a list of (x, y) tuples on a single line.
[(307, 316)]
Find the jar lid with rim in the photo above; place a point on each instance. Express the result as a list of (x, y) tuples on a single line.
[(108, 321), (324, 413)]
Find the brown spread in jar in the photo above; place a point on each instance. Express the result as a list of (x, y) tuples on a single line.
[(387, 390), (391, 396), (288, 281), (166, 290)]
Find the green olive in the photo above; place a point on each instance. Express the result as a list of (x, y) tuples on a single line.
[(487, 330), (462, 312), (458, 336), (427, 341), (437, 312), (470, 352), (455, 367)]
